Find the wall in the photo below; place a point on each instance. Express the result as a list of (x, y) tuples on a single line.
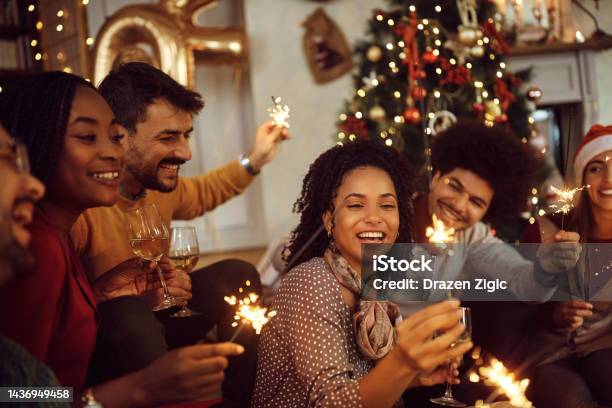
[(279, 68)]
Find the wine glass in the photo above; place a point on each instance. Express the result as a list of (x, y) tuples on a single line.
[(184, 253), (447, 399), (149, 241)]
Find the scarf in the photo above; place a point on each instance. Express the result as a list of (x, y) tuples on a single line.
[(374, 322)]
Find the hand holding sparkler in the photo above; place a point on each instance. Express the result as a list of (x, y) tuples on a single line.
[(279, 113), (565, 201), (439, 234), (268, 137)]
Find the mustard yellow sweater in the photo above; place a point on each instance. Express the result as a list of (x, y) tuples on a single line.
[(100, 235)]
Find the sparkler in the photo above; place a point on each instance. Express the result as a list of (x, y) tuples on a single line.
[(438, 233), (248, 312), (497, 374), (565, 201), (279, 113)]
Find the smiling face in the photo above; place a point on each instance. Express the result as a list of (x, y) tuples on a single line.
[(460, 198), (598, 174), (18, 193), (160, 146), (91, 162), (366, 212)]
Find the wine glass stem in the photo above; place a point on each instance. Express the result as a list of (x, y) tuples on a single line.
[(163, 283), (449, 391)]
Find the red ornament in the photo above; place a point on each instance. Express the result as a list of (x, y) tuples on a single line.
[(420, 74), (478, 109), (503, 118), (418, 93), (429, 57), (412, 115)]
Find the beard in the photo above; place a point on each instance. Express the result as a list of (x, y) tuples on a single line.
[(147, 174), (15, 260)]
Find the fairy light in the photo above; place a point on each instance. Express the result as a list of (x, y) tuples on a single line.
[(38, 56), (401, 44), (412, 8), (33, 43), (383, 134), (485, 40), (361, 93), (431, 115), (397, 119), (502, 65), (397, 94), (402, 55), (439, 71), (496, 101), (534, 200), (352, 137), (89, 41), (60, 13), (436, 30), (379, 17), (438, 43), (341, 135), (485, 94), (452, 61), (436, 52), (39, 25), (343, 117), (388, 142), (541, 213), (358, 115), (425, 21), (60, 56), (531, 120), (499, 74), (31, 8), (468, 65), (390, 22), (480, 42), (279, 113), (437, 93), (420, 26), (85, 2), (389, 46), (438, 9), (59, 27), (392, 65), (438, 233), (478, 84), (492, 57)]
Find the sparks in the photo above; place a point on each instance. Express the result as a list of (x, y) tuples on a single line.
[(439, 233), (279, 113), (497, 374), (249, 313), (565, 200)]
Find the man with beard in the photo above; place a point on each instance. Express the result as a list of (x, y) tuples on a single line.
[(157, 114), (18, 193), (480, 173)]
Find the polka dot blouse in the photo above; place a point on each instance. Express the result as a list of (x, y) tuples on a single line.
[(307, 353)]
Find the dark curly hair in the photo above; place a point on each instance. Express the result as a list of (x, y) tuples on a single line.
[(36, 110), (131, 88), (320, 187), (495, 154)]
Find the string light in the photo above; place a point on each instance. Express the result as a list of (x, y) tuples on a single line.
[(31, 8), (412, 8), (389, 46), (89, 41), (425, 21), (439, 71), (452, 61), (361, 93), (38, 56), (60, 13), (486, 40), (502, 65), (39, 25), (436, 30), (420, 26), (388, 142), (341, 135), (390, 22), (352, 137), (59, 27), (379, 17), (343, 117), (437, 93), (469, 65), (60, 56), (499, 74), (33, 43), (478, 84), (438, 9), (85, 2), (438, 43), (485, 94), (496, 101), (492, 57), (397, 119), (436, 52), (358, 115), (401, 44), (67, 70), (431, 115), (397, 94)]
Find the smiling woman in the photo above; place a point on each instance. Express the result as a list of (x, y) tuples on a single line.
[(320, 348)]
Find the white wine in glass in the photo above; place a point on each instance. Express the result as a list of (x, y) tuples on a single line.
[(184, 254), (447, 399), (149, 241)]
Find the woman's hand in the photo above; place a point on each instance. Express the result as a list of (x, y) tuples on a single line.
[(416, 345), (562, 254), (177, 281), (129, 278), (570, 315), (440, 375)]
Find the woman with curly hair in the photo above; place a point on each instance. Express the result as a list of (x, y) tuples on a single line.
[(311, 353)]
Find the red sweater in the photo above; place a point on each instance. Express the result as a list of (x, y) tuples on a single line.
[(52, 312)]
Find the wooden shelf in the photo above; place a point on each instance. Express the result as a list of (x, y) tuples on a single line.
[(599, 43), (12, 32)]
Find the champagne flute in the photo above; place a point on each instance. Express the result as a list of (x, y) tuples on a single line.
[(149, 241), (184, 254), (447, 399)]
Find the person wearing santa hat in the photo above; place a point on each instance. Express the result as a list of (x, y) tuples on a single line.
[(576, 340)]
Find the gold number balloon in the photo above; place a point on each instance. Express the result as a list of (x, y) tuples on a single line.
[(165, 35)]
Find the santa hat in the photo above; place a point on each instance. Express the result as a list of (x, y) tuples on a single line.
[(596, 141)]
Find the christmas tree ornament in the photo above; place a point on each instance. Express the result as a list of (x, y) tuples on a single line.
[(412, 115), (429, 57), (440, 121), (467, 36), (469, 31), (420, 74), (534, 94), (503, 118), (374, 53), (492, 111), (477, 51), (478, 109), (418, 92), (377, 113)]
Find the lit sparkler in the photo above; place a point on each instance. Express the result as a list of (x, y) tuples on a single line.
[(438, 233), (279, 113), (248, 312), (565, 200), (497, 374)]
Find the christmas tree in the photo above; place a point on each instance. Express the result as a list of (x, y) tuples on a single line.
[(426, 63)]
